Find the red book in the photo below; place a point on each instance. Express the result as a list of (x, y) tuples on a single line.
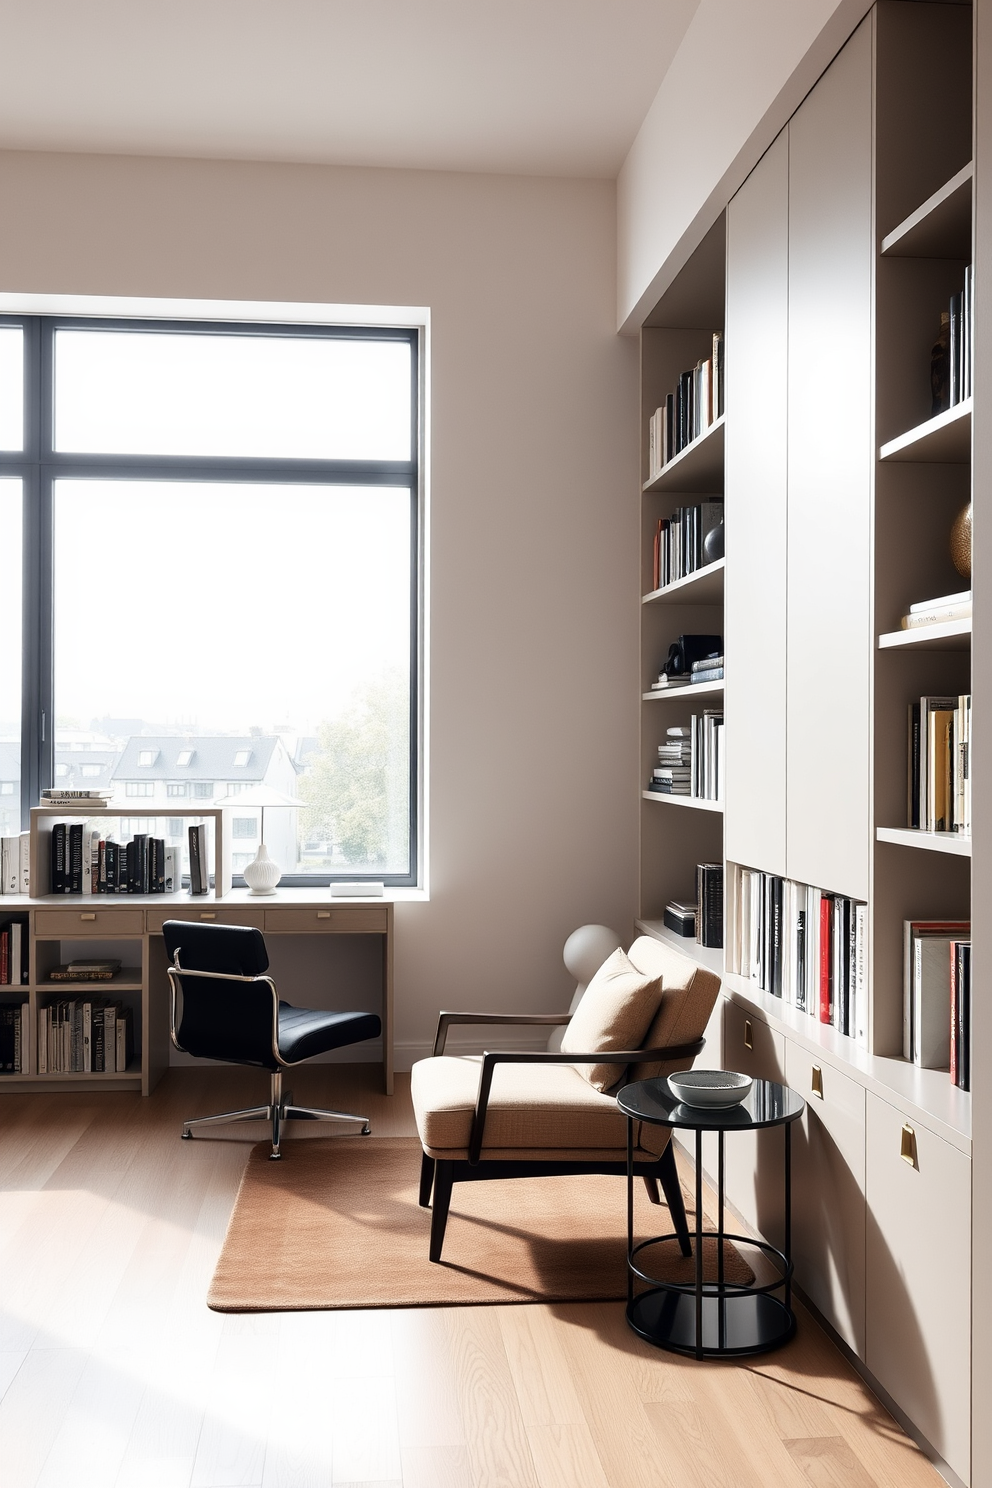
[(826, 942)]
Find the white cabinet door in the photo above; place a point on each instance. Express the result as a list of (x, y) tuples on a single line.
[(756, 516), (918, 1273), (828, 1192), (755, 1161), (830, 467)]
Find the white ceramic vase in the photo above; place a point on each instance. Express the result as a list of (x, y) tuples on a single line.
[(261, 874)]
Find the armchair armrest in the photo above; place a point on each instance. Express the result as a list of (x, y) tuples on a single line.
[(445, 1021), (540, 1056)]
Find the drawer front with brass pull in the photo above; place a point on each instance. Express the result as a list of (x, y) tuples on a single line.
[(72, 922), (350, 921), (208, 914), (750, 1046)]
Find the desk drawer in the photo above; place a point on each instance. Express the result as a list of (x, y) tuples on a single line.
[(58, 922), (350, 921), (212, 914)]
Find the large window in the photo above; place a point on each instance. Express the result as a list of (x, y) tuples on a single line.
[(221, 544)]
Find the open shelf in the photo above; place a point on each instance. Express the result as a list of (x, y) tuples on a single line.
[(941, 227), (709, 956), (703, 689), (697, 468), (705, 586), (935, 1101), (945, 635), (942, 440), (128, 979), (954, 843), (697, 802)]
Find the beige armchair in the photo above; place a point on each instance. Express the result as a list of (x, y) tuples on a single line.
[(514, 1114)]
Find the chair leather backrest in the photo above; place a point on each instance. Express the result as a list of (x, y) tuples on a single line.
[(227, 1020)]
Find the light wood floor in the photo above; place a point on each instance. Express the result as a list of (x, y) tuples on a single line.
[(114, 1374)]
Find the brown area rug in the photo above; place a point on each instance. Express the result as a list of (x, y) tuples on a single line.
[(336, 1223)]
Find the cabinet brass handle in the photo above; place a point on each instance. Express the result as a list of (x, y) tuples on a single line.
[(747, 1034), (907, 1146), (816, 1081), (208, 914), (323, 914), (87, 916)]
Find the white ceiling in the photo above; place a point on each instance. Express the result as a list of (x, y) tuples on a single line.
[(531, 86)]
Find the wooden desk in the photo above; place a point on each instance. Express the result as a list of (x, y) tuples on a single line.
[(135, 922)]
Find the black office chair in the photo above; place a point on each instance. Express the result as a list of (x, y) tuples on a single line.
[(230, 1010)]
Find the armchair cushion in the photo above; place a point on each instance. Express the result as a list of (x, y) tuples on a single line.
[(615, 1012)]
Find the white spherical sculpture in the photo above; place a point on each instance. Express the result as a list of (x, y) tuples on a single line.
[(584, 952)]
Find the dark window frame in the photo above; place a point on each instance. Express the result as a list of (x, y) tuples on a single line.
[(39, 465)]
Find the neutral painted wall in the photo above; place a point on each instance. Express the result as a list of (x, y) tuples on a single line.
[(740, 73), (533, 708)]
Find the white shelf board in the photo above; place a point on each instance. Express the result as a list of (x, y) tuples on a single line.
[(942, 440), (945, 635), (696, 802), (954, 843), (709, 956), (941, 227), (703, 689), (705, 586), (697, 468), (927, 1096)]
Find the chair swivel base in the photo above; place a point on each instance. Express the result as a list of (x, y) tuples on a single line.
[(279, 1109)]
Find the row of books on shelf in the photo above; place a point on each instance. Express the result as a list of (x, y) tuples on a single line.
[(806, 946), (936, 1018), (13, 953), (679, 541), (940, 764), (14, 1024), (937, 611), (82, 1036), (690, 760), (84, 862), (951, 357), (690, 408)]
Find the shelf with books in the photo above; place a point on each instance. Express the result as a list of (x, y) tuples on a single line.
[(947, 635), (691, 690), (954, 843), (940, 227), (697, 802), (696, 469), (44, 818), (944, 439), (705, 586)]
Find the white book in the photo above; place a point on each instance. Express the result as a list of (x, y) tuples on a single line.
[(10, 862), (744, 923), (757, 906), (24, 842), (932, 1002), (110, 1038), (813, 898), (43, 1041), (788, 942), (16, 953), (861, 975)]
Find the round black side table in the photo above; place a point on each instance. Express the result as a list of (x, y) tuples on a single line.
[(710, 1319)]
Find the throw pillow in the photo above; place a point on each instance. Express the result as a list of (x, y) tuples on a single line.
[(616, 1011)]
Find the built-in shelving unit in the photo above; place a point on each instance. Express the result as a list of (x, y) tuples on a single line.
[(946, 635), (954, 843), (940, 227), (704, 586), (682, 694), (698, 468), (696, 802), (944, 439)]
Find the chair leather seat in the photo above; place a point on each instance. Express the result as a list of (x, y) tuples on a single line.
[(304, 1032)]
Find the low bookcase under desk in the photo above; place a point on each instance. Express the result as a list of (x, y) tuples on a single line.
[(129, 927)]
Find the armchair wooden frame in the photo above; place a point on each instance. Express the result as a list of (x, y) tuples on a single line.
[(438, 1175)]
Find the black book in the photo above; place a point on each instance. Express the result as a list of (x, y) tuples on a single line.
[(157, 868), (775, 984), (59, 880), (963, 1020), (75, 858), (914, 765), (954, 351), (125, 871), (684, 432), (110, 869), (194, 863)]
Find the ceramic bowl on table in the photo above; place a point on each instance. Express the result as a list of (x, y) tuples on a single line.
[(710, 1088)]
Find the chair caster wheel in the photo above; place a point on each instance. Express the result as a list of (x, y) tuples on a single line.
[(187, 1136), (275, 1156), (366, 1131)]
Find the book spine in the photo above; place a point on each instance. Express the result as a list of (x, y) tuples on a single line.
[(826, 939)]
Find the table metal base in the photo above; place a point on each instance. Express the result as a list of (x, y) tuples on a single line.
[(733, 1326)]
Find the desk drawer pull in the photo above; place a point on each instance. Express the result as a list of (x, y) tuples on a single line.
[(87, 916), (747, 1034), (208, 914), (816, 1081), (323, 914), (907, 1145)]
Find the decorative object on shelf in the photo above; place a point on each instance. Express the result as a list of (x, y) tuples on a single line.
[(713, 1088), (713, 544), (961, 542), (261, 874)]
